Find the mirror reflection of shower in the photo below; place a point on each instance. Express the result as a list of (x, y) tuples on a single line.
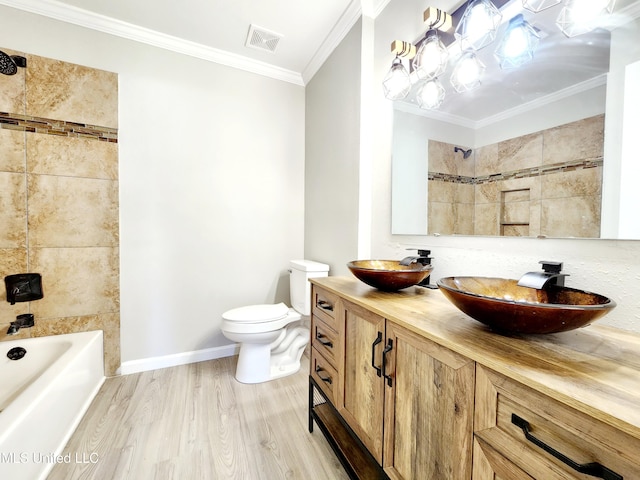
[(465, 153)]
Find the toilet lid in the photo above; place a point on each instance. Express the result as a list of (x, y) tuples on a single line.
[(257, 313)]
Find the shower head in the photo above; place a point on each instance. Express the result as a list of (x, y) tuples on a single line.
[(465, 153), (9, 63)]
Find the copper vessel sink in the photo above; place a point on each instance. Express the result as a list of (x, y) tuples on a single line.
[(506, 307), (389, 275)]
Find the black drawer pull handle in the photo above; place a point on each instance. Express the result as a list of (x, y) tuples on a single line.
[(324, 379), (323, 304), (594, 469), (326, 343), (373, 354), (386, 350)]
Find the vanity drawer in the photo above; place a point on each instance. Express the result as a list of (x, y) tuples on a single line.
[(324, 305), (324, 374), (559, 440), (325, 340)]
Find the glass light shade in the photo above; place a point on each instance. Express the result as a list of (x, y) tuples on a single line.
[(431, 59), (582, 16), (518, 43), (478, 25), (467, 73), (431, 94), (396, 84), (536, 6)]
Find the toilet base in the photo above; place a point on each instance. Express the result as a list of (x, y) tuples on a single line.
[(259, 363)]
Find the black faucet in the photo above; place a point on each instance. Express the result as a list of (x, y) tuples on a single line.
[(422, 258), (550, 275), (22, 321)]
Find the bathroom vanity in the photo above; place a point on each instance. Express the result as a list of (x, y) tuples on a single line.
[(405, 386)]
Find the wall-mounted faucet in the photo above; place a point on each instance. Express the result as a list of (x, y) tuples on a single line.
[(22, 321), (422, 258), (550, 275)]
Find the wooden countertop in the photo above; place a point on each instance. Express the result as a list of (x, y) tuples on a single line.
[(595, 369)]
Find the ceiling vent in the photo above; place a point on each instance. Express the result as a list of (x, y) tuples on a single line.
[(262, 39)]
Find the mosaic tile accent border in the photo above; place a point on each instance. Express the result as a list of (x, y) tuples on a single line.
[(524, 173), (27, 123)]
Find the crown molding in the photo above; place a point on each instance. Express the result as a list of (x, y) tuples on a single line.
[(83, 18), (506, 114), (546, 100), (337, 34)]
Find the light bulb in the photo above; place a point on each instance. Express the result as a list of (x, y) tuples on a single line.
[(432, 56), (396, 83)]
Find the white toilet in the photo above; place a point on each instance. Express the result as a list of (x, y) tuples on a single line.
[(271, 344)]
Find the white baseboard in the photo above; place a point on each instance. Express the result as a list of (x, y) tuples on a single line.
[(173, 360)]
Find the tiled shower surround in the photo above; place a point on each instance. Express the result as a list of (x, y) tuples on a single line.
[(546, 183), (59, 198)]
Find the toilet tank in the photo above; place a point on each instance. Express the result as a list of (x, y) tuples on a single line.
[(300, 288)]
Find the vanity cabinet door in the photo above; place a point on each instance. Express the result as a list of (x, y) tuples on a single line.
[(559, 441), (429, 403), (362, 398)]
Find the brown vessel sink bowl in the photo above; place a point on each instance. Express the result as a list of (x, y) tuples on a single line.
[(389, 275), (506, 307)]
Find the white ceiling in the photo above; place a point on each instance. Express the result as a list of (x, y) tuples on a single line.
[(217, 29)]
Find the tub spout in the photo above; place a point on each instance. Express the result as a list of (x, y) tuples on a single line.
[(22, 321), (550, 275)]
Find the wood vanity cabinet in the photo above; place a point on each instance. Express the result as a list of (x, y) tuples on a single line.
[(407, 399), (410, 388), (562, 442)]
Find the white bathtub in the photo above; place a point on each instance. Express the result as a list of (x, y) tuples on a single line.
[(43, 397)]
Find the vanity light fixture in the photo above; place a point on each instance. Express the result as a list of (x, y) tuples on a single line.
[(518, 43), (430, 94), (396, 83), (431, 60), (478, 25), (536, 6), (582, 16), (467, 72)]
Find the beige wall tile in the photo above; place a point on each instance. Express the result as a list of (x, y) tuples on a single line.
[(516, 231), (520, 153), (12, 89), (515, 212), (72, 212), (12, 158), (575, 183), (464, 213), (72, 196), (579, 140), (13, 210), (441, 218), (571, 217), (441, 191), (72, 156), (487, 219), (487, 160), (61, 90), (443, 159), (76, 281)]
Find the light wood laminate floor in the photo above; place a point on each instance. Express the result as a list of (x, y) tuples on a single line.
[(197, 422)]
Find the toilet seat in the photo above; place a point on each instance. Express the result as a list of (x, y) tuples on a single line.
[(258, 318), (257, 313)]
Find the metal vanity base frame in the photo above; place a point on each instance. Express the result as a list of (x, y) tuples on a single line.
[(354, 457)]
